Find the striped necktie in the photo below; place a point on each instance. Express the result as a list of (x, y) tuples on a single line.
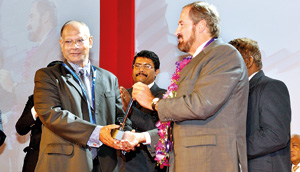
[(86, 82)]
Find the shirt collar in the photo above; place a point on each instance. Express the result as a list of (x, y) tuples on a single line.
[(150, 85), (295, 165), (250, 77), (77, 68), (199, 49)]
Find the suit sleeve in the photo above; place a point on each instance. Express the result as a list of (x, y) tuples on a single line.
[(274, 121), (206, 88), (119, 105), (141, 120), (26, 121), (48, 98), (154, 140), (145, 119)]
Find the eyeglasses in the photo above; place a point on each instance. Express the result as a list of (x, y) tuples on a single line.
[(144, 66), (78, 42)]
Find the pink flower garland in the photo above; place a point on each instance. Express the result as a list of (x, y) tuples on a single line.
[(164, 145)]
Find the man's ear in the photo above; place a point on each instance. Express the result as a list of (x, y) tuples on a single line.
[(45, 17), (61, 43), (156, 72), (201, 26), (250, 62), (91, 41)]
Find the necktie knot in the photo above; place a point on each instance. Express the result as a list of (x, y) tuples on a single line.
[(81, 73), (83, 77)]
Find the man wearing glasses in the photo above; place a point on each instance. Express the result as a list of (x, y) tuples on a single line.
[(145, 69), (77, 102)]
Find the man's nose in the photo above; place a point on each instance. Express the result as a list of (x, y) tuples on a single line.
[(141, 69), (177, 31), (74, 44)]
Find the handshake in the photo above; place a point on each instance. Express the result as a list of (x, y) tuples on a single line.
[(128, 142)]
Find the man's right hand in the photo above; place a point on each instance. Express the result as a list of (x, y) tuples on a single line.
[(106, 138), (142, 94), (134, 138)]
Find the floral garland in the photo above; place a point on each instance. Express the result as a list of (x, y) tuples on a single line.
[(164, 145)]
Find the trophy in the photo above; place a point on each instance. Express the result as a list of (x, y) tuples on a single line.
[(118, 133)]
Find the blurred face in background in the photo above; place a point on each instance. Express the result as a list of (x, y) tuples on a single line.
[(34, 24)]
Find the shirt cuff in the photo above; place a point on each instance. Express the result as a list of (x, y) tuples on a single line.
[(33, 112), (148, 138), (94, 141)]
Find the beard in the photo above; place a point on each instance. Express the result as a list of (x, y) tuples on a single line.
[(185, 46)]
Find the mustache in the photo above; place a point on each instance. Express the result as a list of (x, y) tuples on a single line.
[(179, 36), (141, 74)]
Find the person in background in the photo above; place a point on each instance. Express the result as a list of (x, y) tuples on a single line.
[(145, 69), (78, 105), (43, 33), (269, 114), (6, 89), (295, 152), (29, 121)]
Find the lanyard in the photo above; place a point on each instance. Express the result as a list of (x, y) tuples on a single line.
[(92, 115)]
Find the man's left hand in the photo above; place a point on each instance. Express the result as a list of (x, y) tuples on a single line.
[(125, 96)]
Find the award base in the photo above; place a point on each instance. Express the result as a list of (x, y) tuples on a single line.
[(117, 134)]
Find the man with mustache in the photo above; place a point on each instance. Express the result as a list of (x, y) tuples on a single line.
[(145, 69), (209, 108)]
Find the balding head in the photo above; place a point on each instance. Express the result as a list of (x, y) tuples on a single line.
[(76, 23)]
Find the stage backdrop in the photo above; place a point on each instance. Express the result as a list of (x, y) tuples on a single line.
[(25, 38), (29, 40)]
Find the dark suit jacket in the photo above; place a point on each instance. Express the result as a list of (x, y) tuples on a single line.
[(143, 120), (63, 110), (268, 125), (210, 111), (25, 124)]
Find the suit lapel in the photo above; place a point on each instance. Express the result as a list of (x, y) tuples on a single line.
[(198, 58), (154, 88), (99, 87), (72, 81)]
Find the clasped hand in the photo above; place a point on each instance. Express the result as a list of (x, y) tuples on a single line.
[(129, 141)]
